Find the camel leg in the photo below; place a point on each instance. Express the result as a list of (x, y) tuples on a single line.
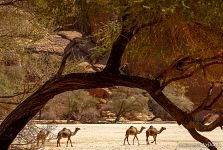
[(133, 140), (124, 140), (58, 142), (128, 139), (67, 142), (147, 139), (155, 139), (137, 139), (71, 143)]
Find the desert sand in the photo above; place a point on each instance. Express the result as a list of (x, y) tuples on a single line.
[(111, 137)]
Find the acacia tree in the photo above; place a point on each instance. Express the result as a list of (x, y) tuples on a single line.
[(153, 14)]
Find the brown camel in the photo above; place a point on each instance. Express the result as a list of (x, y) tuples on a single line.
[(66, 133), (132, 131), (153, 132), (42, 135)]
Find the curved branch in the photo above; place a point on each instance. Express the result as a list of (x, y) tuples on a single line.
[(121, 42), (186, 67), (205, 101), (19, 117), (214, 100), (204, 128), (202, 139)]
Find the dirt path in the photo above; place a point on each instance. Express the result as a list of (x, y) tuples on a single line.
[(111, 136)]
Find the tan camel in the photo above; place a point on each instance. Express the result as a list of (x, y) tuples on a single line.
[(66, 133), (42, 135), (153, 132), (132, 131)]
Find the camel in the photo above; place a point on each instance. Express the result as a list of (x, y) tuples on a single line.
[(66, 133), (132, 131), (153, 132), (42, 135)]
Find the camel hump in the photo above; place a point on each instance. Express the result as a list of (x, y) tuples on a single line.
[(64, 129), (131, 126)]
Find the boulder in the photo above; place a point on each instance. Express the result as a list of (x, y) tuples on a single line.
[(100, 92), (49, 44), (69, 35)]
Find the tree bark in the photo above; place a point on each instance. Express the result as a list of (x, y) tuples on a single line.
[(19, 117), (202, 139), (118, 49)]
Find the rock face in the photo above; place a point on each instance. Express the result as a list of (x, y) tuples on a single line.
[(136, 116), (54, 43), (69, 35), (100, 92), (49, 44)]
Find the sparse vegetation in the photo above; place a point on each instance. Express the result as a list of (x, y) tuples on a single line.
[(170, 47)]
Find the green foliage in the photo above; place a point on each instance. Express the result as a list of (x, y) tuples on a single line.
[(105, 36), (11, 78), (56, 13), (186, 28), (80, 100), (128, 100), (18, 28)]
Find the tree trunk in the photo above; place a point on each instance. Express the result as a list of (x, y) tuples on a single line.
[(20, 116), (118, 117), (118, 49), (202, 139)]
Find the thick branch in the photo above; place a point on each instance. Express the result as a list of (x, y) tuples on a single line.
[(205, 101), (120, 44), (204, 128), (34, 103), (186, 67), (63, 64), (214, 100), (117, 51), (202, 139)]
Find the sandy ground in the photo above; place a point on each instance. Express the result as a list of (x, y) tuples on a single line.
[(111, 136)]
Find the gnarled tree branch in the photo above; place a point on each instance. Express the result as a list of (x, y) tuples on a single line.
[(185, 67), (28, 108), (202, 139)]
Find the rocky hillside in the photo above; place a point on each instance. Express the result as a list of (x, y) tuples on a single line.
[(31, 53)]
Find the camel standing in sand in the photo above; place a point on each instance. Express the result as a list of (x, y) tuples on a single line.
[(132, 131), (153, 132), (66, 133), (42, 135)]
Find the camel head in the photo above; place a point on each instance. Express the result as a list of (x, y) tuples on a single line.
[(142, 128), (77, 129), (162, 128)]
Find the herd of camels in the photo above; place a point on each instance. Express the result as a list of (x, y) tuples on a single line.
[(66, 133)]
